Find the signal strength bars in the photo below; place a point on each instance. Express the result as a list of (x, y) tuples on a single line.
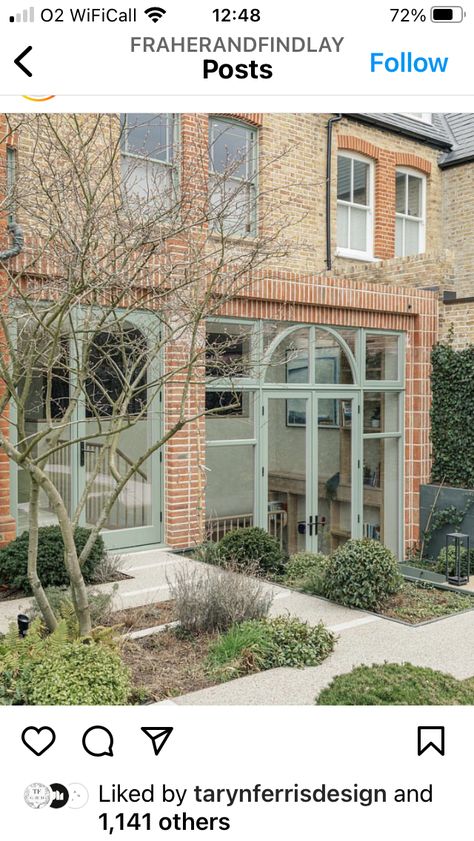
[(26, 16)]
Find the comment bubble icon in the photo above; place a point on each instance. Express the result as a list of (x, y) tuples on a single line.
[(98, 741)]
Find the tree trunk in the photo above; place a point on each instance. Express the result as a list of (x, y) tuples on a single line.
[(36, 586)]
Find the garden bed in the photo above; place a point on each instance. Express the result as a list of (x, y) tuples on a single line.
[(167, 665), (416, 604), (139, 618)]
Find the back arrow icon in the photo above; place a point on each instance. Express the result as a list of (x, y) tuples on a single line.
[(18, 61)]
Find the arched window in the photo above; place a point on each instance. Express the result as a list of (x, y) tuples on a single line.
[(288, 357)]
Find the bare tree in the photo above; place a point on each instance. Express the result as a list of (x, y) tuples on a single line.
[(110, 234)]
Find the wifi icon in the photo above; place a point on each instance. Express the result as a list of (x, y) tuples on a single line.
[(155, 13)]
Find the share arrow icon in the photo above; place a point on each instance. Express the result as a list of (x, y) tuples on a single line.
[(159, 736)]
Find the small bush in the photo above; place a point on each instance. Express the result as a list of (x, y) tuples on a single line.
[(107, 569), (208, 553), (78, 673), (251, 546), (213, 600), (51, 568), (394, 684), (60, 599), (306, 571), (269, 644), (361, 573), (441, 561)]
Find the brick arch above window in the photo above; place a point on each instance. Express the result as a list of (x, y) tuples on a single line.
[(356, 144), (253, 119), (413, 162)]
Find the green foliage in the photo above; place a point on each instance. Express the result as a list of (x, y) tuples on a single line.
[(268, 644), (452, 431), (361, 573), (450, 516), (51, 568), (250, 547), (441, 561), (208, 553), (100, 605), (80, 672), (306, 571), (395, 684)]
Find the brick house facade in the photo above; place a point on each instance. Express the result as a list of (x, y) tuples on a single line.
[(394, 295)]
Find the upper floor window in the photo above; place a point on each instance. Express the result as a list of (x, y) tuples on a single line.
[(233, 177), (410, 213), (148, 144), (354, 206), (11, 179)]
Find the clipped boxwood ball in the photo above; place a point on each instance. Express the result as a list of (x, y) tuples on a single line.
[(361, 573), (78, 673), (51, 568), (249, 547)]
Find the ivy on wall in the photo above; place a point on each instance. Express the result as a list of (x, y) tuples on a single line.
[(452, 415)]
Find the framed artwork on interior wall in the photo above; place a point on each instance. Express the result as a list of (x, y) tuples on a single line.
[(326, 373)]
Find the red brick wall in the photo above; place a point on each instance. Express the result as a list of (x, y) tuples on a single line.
[(319, 300)]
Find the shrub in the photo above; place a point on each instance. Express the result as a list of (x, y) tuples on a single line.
[(268, 644), (100, 605), (85, 673), (251, 546), (396, 684), (51, 568), (208, 553), (361, 573), (441, 561), (213, 599), (306, 571)]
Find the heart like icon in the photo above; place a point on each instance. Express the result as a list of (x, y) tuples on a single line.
[(38, 739)]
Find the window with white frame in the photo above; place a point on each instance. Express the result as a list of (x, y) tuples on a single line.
[(148, 144), (233, 177), (354, 206), (410, 213)]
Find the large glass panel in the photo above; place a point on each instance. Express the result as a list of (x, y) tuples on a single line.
[(358, 240), (414, 196), (344, 178), (39, 378), (116, 359), (381, 412), (331, 363), (334, 477), (361, 183), (228, 350), (289, 361), (343, 226), (149, 136), (401, 192), (287, 472), (412, 237), (381, 357), (232, 417), (230, 493), (381, 520)]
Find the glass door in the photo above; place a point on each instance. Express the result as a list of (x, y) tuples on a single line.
[(336, 464), (287, 423), (106, 456)]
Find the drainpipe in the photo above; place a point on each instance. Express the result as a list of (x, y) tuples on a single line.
[(328, 188), (16, 234)]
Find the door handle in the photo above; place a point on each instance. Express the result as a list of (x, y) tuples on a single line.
[(82, 452)]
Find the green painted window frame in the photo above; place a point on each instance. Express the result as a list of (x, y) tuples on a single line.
[(353, 391)]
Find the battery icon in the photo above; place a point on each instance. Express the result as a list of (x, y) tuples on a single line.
[(447, 14)]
